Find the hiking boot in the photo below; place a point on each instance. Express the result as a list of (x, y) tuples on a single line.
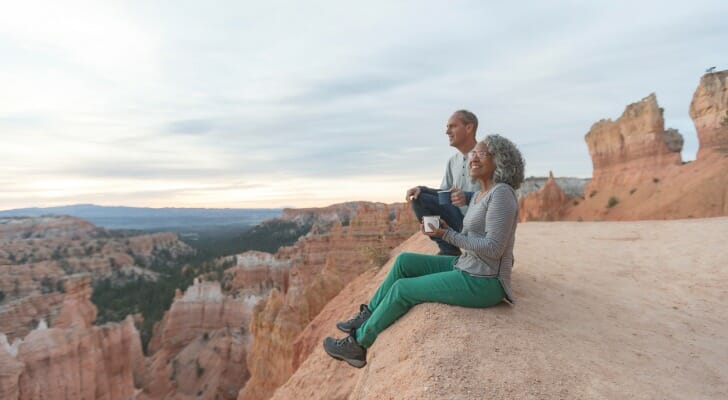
[(356, 321), (346, 349)]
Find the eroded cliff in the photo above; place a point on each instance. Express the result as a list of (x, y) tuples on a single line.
[(72, 359), (321, 264)]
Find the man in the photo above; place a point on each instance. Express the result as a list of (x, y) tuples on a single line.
[(461, 128)]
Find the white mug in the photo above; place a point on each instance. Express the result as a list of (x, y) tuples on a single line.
[(431, 219)]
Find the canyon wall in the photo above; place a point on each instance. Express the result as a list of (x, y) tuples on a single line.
[(72, 359), (198, 349), (321, 264), (38, 254)]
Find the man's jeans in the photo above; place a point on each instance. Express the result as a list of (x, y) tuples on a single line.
[(426, 204)]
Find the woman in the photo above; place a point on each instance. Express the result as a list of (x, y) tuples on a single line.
[(480, 277)]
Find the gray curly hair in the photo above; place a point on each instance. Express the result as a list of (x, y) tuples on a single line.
[(509, 164)]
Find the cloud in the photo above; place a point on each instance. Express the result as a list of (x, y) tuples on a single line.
[(139, 94), (192, 126)]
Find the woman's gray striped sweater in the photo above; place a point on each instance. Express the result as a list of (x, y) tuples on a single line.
[(489, 232)]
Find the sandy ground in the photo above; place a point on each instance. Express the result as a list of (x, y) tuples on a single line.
[(605, 310)]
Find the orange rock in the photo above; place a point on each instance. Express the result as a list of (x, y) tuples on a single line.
[(631, 149), (322, 263), (709, 111), (79, 363), (77, 311), (549, 203)]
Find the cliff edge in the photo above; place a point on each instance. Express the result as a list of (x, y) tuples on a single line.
[(604, 310)]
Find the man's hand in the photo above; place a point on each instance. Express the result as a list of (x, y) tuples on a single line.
[(413, 193), (457, 197)]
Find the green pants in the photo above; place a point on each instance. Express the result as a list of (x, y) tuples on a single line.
[(420, 278)]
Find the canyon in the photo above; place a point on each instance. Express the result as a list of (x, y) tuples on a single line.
[(202, 346), (255, 331)]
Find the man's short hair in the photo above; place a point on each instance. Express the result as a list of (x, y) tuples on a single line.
[(467, 117)]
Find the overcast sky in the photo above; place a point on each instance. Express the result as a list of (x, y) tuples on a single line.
[(288, 103)]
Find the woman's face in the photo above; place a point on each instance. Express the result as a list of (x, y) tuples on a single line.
[(480, 161)]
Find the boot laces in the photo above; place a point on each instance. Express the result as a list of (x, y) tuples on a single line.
[(341, 343)]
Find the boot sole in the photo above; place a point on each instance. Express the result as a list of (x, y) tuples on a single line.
[(344, 330), (353, 363)]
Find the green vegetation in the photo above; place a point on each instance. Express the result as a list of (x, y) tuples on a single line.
[(724, 122), (632, 191), (148, 298), (612, 202), (655, 180), (269, 236), (47, 285), (152, 298), (592, 194), (2, 295)]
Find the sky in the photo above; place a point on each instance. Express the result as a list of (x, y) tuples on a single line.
[(296, 104)]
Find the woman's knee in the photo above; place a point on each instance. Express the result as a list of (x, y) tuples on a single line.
[(402, 290)]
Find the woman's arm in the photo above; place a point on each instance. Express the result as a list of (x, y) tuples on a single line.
[(499, 223)]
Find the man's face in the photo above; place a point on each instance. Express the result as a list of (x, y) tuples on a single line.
[(457, 131)]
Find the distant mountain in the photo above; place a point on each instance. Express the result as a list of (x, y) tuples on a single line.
[(174, 219)]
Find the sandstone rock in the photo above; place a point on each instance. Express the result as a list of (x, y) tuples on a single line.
[(599, 320), (709, 111), (549, 203), (21, 316), (200, 346), (201, 309), (77, 311), (256, 273), (10, 370), (75, 363), (322, 263), (631, 149), (570, 186)]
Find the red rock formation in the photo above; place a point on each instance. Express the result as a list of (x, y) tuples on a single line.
[(35, 253), (92, 363), (202, 308), (21, 316), (77, 310), (10, 370), (709, 111), (549, 203), (322, 263), (635, 175), (631, 149), (332, 213), (256, 273), (73, 359), (199, 347)]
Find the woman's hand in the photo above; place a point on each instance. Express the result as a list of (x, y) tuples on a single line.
[(437, 232)]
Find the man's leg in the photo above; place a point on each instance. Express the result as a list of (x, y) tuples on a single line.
[(452, 287), (426, 204)]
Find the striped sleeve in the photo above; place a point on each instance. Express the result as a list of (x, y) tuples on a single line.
[(499, 222)]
